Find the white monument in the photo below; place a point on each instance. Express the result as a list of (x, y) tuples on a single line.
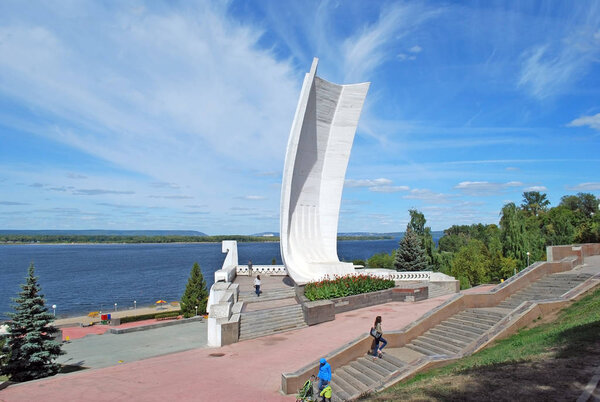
[(313, 176)]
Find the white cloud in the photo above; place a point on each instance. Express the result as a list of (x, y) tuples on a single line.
[(590, 121), (367, 182), (551, 67), (590, 186), (485, 188), (388, 189), (254, 197), (380, 185), (415, 49), (148, 90), (370, 48), (427, 196), (536, 188)]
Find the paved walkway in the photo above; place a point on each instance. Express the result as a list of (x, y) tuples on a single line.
[(96, 351), (249, 370)]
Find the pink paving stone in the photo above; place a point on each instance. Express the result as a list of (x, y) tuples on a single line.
[(98, 329), (248, 371)]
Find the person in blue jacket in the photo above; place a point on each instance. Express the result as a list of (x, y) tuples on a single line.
[(324, 374)]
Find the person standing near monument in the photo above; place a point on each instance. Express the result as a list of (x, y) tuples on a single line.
[(257, 285), (250, 268)]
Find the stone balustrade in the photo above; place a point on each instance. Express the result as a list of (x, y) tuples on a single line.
[(262, 270)]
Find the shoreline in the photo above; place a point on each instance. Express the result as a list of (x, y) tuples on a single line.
[(156, 243)]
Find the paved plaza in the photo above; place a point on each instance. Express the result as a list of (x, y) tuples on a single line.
[(97, 351), (249, 370)]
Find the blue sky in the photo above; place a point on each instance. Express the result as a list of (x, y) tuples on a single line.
[(175, 115)]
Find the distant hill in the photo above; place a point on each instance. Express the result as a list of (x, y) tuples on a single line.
[(104, 232)]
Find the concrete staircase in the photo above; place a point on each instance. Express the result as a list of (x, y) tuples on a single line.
[(450, 338), (549, 287), (255, 324), (267, 295)]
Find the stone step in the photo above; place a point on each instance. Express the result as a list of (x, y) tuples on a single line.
[(476, 327), (266, 295), (363, 378), (344, 385), (272, 312), (374, 364), (421, 350), (427, 345), (258, 326), (258, 334), (444, 344), (352, 380), (494, 315), (337, 391), (394, 360), (458, 329), (465, 316), (365, 370), (445, 333)]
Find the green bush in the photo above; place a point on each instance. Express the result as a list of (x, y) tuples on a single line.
[(168, 314), (345, 286), (133, 318)]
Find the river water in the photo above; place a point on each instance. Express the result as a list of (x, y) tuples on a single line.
[(80, 278)]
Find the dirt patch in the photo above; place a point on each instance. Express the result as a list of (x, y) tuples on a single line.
[(544, 378)]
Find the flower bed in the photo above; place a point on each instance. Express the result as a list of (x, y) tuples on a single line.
[(345, 286)]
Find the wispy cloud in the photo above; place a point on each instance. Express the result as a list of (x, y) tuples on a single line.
[(485, 188), (427, 196), (370, 48), (590, 121), (367, 182), (98, 191), (13, 203), (591, 186), (536, 188), (252, 197), (549, 68)]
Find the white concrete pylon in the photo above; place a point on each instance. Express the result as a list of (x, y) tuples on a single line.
[(313, 176)]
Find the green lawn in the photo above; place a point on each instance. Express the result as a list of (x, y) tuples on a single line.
[(545, 361)]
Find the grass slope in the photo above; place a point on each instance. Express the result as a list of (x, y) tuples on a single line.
[(551, 361)]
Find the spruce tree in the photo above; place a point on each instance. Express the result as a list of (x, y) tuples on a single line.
[(411, 256), (195, 293), (31, 346)]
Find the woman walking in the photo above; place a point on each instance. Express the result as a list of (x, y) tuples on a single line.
[(378, 338), (257, 285)]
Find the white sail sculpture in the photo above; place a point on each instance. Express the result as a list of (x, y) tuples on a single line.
[(313, 176)]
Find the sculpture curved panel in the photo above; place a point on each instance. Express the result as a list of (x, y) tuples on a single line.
[(313, 176)]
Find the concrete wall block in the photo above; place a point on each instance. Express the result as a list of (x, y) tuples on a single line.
[(318, 311)]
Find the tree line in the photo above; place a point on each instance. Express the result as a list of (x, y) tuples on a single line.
[(479, 253), (66, 238)]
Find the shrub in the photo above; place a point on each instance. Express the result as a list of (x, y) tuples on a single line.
[(133, 318), (345, 286), (168, 314)]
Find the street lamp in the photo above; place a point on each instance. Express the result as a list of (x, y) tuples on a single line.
[(54, 309), (115, 306), (528, 253), (134, 305), (196, 310)]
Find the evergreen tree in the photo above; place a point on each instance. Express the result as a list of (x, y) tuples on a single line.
[(417, 224), (31, 346), (410, 256), (195, 293)]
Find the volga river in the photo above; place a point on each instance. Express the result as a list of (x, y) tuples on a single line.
[(80, 278)]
